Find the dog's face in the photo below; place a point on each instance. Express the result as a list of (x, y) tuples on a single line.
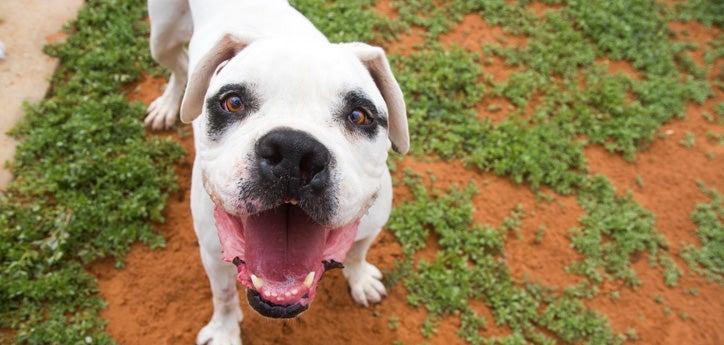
[(292, 142)]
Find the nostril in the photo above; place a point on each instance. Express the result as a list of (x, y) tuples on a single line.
[(311, 166), (319, 181), (271, 153), (275, 158)]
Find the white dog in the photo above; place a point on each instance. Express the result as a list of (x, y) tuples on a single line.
[(291, 135)]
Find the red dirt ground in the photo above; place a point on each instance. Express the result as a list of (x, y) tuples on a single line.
[(669, 172), (540, 8), (407, 41), (162, 296)]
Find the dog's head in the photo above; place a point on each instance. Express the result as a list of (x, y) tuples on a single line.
[(292, 141)]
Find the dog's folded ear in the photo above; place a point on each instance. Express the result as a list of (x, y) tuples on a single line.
[(226, 48), (375, 60)]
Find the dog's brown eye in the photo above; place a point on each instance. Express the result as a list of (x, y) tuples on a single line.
[(359, 117), (233, 104)]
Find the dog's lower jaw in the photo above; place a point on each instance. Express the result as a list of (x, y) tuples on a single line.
[(271, 310)]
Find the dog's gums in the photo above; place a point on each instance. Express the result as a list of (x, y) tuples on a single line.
[(280, 255)]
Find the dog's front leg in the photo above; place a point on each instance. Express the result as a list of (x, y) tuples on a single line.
[(364, 279), (223, 328)]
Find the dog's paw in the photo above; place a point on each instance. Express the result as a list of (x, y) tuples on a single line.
[(224, 332), (162, 112), (364, 282)]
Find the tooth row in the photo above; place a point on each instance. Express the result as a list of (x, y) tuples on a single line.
[(259, 283), (280, 296)]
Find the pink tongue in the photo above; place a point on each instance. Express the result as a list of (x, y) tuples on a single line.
[(283, 244)]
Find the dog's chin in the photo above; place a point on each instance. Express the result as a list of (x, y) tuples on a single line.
[(281, 254)]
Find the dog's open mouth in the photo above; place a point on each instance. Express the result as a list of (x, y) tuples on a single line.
[(281, 254)]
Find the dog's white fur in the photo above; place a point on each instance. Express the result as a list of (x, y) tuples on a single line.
[(299, 76)]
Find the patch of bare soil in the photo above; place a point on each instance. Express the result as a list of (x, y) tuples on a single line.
[(407, 42), (668, 173), (696, 32), (473, 33), (495, 109), (620, 67), (540, 261), (540, 8), (385, 8)]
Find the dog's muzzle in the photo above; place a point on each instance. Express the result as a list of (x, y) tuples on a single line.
[(284, 243)]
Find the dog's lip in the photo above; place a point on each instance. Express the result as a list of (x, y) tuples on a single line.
[(273, 310)]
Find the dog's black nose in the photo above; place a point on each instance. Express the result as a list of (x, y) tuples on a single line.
[(293, 158)]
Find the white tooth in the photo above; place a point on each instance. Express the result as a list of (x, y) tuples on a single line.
[(274, 294), (288, 294), (258, 282), (294, 201), (267, 293), (280, 298), (309, 280), (295, 291)]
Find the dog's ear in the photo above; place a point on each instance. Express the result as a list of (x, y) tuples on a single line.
[(226, 48), (375, 60)]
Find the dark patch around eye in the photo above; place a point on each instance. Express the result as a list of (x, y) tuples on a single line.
[(357, 99), (219, 118)]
